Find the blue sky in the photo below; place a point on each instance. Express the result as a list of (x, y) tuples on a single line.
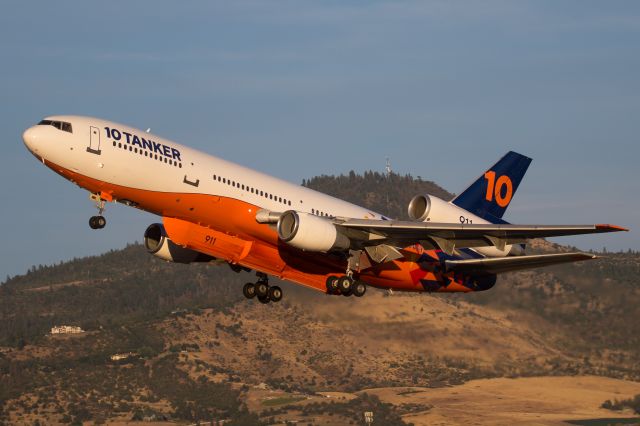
[(301, 88)]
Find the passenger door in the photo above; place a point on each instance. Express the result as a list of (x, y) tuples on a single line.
[(94, 140)]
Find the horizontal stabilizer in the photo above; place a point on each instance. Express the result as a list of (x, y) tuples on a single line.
[(516, 263)]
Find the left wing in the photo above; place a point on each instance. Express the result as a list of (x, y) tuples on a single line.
[(498, 265), (447, 236)]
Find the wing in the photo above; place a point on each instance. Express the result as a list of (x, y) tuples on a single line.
[(447, 236), (509, 264)]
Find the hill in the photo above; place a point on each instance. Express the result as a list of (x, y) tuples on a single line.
[(202, 352)]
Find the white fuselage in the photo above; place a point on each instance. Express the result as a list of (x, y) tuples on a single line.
[(121, 155)]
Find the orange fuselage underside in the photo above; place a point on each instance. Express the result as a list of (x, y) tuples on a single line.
[(226, 229)]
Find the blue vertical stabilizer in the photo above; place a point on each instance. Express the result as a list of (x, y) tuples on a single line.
[(490, 195)]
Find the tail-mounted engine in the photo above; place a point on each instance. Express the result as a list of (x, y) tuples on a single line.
[(427, 208), (157, 243), (309, 232)]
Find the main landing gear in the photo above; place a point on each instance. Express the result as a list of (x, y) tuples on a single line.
[(346, 286), (98, 222), (262, 290)]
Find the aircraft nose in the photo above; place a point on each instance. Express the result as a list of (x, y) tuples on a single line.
[(30, 138)]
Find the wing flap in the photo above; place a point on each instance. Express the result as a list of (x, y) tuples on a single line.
[(509, 264)]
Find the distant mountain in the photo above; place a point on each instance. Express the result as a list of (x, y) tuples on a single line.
[(202, 352), (389, 195)]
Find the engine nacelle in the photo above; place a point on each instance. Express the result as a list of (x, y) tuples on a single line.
[(427, 208), (311, 233), (157, 243)]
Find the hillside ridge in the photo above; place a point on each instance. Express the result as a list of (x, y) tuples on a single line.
[(201, 351)]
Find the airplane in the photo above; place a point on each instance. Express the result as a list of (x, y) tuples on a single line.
[(216, 211)]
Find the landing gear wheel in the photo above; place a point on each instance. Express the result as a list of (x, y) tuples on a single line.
[(262, 289), (332, 285), (275, 293), (97, 222), (359, 289), (345, 283), (264, 300), (249, 290)]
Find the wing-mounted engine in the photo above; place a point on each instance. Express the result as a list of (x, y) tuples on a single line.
[(311, 233), (157, 243), (427, 208)]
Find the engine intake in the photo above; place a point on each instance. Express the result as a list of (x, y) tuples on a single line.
[(157, 242), (311, 233)]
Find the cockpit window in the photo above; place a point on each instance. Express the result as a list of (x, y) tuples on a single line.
[(60, 125)]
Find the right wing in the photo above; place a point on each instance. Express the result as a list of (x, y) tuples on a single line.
[(449, 236)]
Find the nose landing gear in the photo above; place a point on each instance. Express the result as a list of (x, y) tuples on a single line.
[(98, 222)]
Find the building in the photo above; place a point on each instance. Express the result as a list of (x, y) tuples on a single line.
[(66, 329), (120, 357)]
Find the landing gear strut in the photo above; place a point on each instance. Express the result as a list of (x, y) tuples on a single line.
[(98, 222), (262, 290)]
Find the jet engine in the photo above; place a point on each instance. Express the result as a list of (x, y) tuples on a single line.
[(311, 233), (157, 243), (427, 208)]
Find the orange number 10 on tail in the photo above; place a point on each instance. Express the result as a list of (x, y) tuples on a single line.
[(494, 188)]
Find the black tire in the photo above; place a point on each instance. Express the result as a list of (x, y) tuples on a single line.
[(262, 289), (249, 290), (359, 289), (101, 222), (275, 294), (264, 300), (92, 223), (332, 285), (345, 284)]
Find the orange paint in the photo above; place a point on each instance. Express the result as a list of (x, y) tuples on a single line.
[(494, 188), (504, 181), (490, 176), (226, 229)]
